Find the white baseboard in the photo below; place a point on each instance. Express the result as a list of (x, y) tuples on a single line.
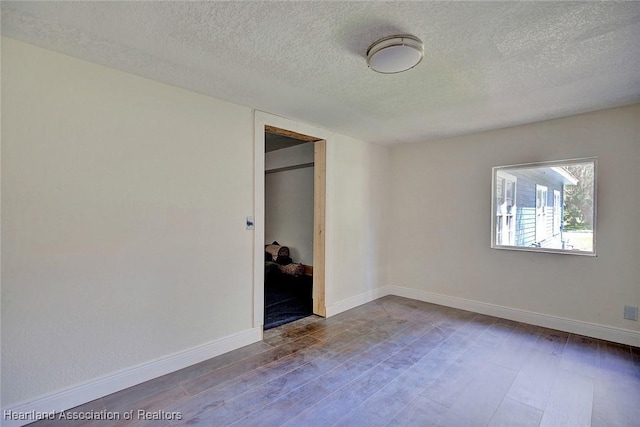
[(356, 301), (609, 333), (82, 393)]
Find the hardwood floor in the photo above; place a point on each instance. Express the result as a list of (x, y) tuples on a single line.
[(396, 362)]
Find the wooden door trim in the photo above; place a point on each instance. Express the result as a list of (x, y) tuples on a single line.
[(319, 200), (291, 134)]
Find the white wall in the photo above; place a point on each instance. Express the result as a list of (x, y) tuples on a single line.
[(440, 220), (123, 220), (289, 201)]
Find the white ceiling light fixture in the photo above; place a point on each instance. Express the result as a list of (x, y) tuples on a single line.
[(395, 54)]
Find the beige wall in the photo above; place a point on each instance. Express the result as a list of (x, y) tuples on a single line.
[(357, 216), (440, 220), (123, 220), (123, 223)]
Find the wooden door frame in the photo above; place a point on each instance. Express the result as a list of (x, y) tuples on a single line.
[(319, 210), (262, 125)]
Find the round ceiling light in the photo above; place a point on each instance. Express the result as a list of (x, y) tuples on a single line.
[(395, 54)]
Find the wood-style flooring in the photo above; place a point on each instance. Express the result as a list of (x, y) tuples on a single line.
[(396, 362)]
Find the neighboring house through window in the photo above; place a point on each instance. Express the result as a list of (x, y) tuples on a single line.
[(531, 201)]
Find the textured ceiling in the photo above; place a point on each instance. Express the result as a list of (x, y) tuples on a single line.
[(487, 64)]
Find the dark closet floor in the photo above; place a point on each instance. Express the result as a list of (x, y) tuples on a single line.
[(286, 299)]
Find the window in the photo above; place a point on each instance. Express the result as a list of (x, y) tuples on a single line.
[(548, 207)]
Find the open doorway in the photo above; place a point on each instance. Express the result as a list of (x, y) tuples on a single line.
[(294, 199)]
